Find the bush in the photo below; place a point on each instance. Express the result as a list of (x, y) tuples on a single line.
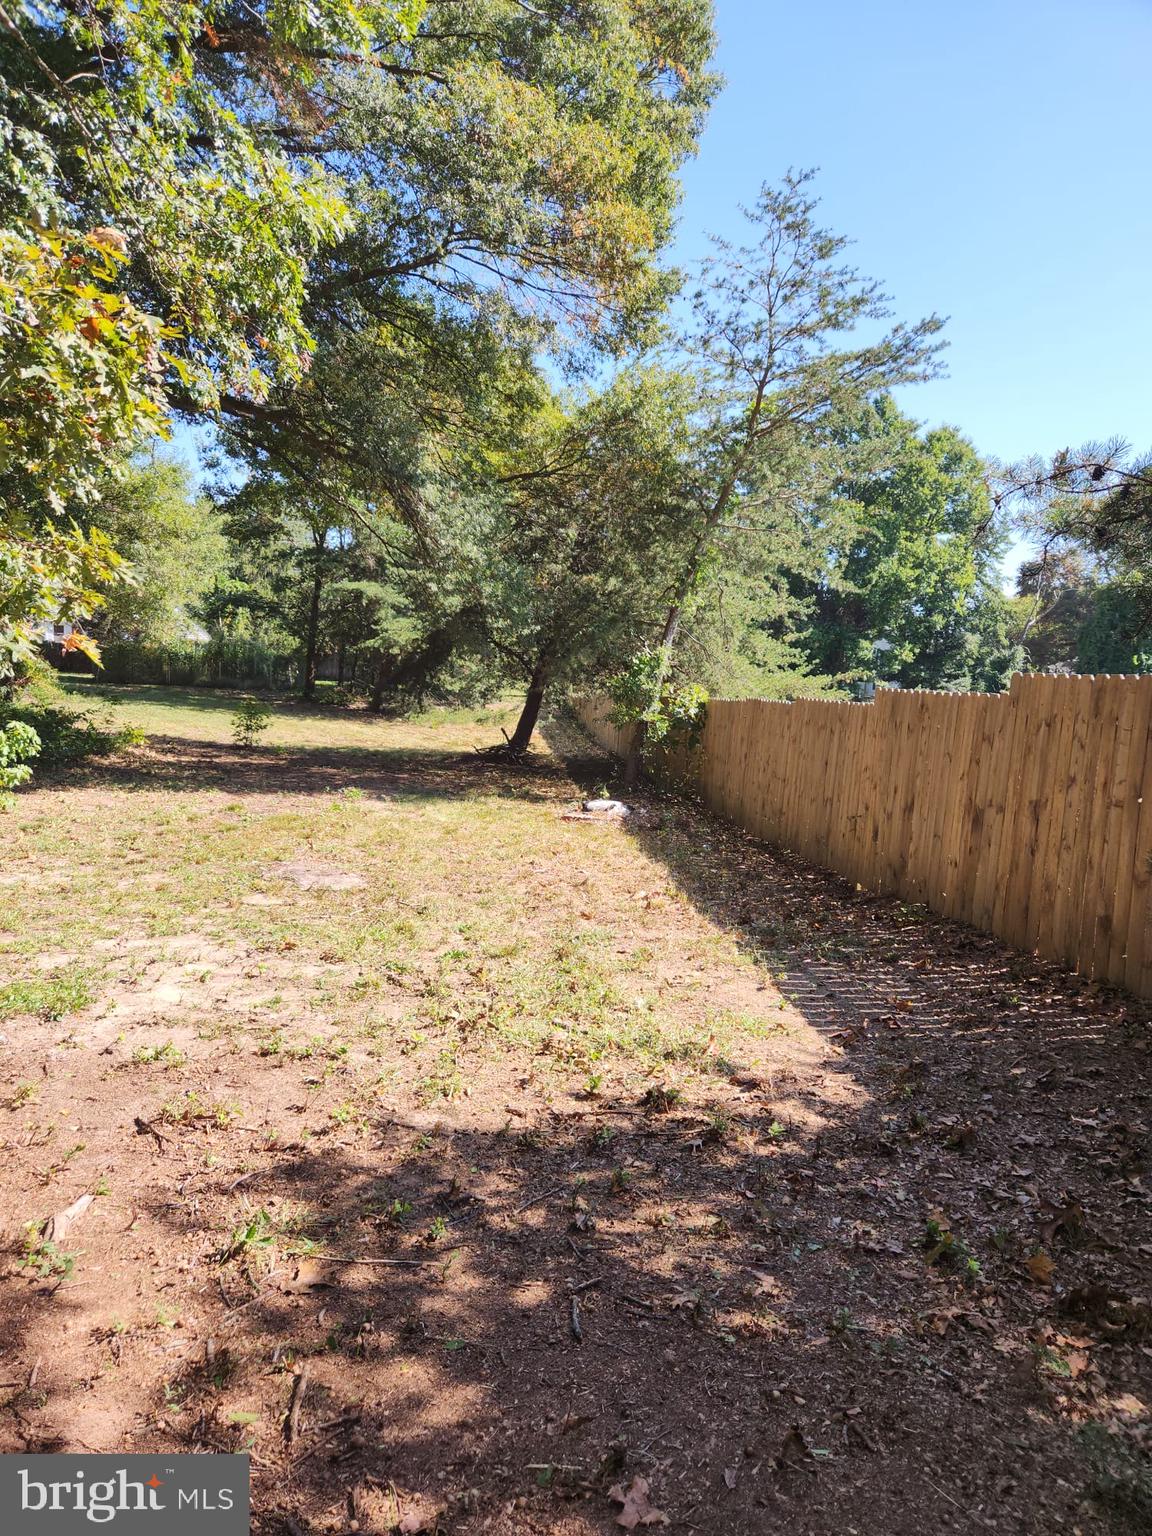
[(65, 733), (219, 663), (250, 719), (674, 712), (18, 743)]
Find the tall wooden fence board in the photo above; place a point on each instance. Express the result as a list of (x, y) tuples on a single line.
[(1023, 813)]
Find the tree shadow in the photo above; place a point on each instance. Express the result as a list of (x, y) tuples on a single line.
[(544, 1330), (175, 764), (809, 1300)]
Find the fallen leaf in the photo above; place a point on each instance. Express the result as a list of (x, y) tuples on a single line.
[(309, 1275), (1068, 1219), (1040, 1267), (765, 1285), (684, 1301), (417, 1520), (638, 1508), (1077, 1362)]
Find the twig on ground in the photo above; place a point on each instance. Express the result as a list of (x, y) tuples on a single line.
[(539, 1199), (292, 1421), (332, 1258)]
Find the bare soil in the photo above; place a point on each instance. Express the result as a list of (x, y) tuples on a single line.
[(863, 1246)]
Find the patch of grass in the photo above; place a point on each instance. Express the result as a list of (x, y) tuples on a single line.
[(193, 1108), (445, 1080), (263, 1233), (47, 997), (165, 1055)]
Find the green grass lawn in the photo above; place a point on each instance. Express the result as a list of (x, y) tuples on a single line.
[(205, 714)]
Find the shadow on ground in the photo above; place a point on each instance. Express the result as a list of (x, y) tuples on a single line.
[(173, 764), (902, 1288)]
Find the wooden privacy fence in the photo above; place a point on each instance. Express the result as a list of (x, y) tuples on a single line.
[(1022, 813)]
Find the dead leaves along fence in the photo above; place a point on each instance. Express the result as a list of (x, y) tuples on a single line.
[(1022, 813)]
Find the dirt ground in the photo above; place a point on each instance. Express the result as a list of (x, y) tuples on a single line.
[(479, 1170)]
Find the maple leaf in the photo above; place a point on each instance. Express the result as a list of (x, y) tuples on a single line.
[(83, 643), (638, 1508)]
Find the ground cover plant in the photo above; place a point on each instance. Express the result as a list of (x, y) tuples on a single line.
[(478, 1169)]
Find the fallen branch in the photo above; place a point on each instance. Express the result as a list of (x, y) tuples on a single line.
[(292, 1421), (556, 1189)]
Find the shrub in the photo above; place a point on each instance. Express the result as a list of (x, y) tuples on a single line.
[(18, 743), (250, 719), (65, 733), (222, 662), (674, 712)]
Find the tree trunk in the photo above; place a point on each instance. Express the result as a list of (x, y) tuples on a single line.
[(339, 666), (312, 635), (635, 755), (533, 699), (379, 683), (692, 568)]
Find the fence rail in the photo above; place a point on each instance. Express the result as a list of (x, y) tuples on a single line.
[(1022, 813)]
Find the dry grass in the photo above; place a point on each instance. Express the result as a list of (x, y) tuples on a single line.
[(357, 992)]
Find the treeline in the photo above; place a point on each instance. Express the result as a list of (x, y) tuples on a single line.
[(406, 260)]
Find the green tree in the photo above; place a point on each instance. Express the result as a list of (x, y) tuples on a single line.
[(913, 552), (1055, 593), (582, 544), (294, 189), (174, 546), (1114, 636), (767, 346)]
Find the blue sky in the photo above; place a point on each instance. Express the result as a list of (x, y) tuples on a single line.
[(991, 163)]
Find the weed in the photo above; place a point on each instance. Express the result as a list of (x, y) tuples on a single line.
[(718, 1126), (256, 1235), (49, 1173), (192, 1108), (660, 1098), (166, 1055), (49, 997), (949, 1251), (42, 1257), (445, 1080)]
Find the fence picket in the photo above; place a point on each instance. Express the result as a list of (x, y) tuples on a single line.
[(1028, 814)]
